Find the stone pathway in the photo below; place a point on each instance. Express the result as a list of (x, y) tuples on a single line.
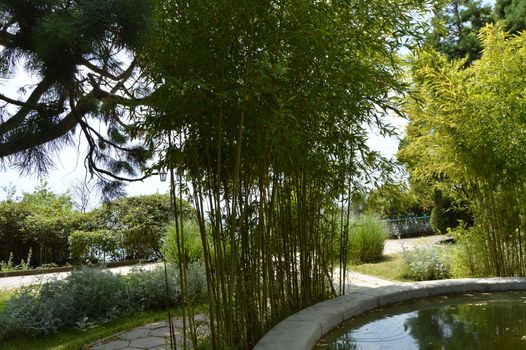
[(153, 336)]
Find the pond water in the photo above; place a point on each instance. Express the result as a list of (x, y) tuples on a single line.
[(469, 321)]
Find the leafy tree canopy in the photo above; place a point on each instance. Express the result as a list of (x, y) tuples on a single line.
[(455, 26), (513, 12), (467, 128), (394, 200), (141, 221), (467, 124)]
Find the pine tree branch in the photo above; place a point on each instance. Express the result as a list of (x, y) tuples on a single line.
[(23, 143), (16, 102), (123, 76), (30, 104), (66, 124)]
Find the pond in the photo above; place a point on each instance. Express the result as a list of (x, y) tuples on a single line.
[(469, 321)]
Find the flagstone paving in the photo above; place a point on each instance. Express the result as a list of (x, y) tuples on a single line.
[(153, 336)]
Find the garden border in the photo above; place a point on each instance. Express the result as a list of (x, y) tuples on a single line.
[(302, 330)]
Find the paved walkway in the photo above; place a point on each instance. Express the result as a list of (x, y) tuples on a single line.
[(19, 281), (394, 246)]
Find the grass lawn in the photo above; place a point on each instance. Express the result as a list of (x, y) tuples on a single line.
[(5, 295), (389, 268), (78, 339)]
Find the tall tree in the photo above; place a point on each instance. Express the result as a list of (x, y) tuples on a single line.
[(455, 26), (81, 54), (513, 12), (263, 107), (467, 130)]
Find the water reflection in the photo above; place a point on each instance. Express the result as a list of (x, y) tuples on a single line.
[(483, 321)]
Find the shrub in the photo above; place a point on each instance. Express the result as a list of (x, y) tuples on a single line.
[(193, 248), (141, 222), (41, 221), (93, 245), (367, 235), (427, 262), (85, 295), (92, 295), (447, 214), (469, 257)]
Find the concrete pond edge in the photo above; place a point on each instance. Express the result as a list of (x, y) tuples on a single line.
[(302, 330)]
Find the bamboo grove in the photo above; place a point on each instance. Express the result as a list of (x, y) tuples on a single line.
[(261, 111), (466, 137)]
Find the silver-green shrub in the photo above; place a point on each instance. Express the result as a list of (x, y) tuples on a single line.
[(92, 295), (427, 262)]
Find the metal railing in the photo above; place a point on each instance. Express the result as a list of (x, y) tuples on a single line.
[(410, 227)]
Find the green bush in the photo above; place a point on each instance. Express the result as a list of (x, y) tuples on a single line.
[(40, 221), (426, 262), (469, 256), (367, 235), (91, 295), (446, 214), (193, 248), (141, 222), (93, 246)]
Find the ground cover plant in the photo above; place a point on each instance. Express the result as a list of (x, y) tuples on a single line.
[(390, 267), (92, 296)]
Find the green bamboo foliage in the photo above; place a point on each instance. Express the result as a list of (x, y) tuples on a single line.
[(266, 104), (468, 131)]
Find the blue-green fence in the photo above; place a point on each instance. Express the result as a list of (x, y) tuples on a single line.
[(410, 227)]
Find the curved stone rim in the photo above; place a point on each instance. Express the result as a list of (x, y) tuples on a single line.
[(302, 330)]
